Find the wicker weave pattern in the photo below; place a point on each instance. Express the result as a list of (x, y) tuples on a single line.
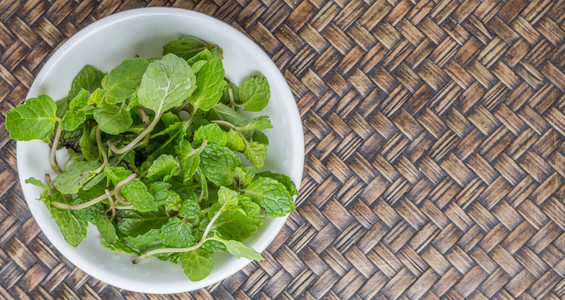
[(434, 132)]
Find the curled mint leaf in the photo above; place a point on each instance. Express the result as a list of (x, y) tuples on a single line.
[(254, 92)]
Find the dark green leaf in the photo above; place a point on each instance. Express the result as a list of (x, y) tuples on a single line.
[(254, 92), (73, 229), (209, 84), (134, 223), (186, 46), (106, 228)]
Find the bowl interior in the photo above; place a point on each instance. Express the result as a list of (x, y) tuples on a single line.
[(105, 44)]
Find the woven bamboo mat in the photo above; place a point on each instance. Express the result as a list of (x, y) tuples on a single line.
[(435, 154)]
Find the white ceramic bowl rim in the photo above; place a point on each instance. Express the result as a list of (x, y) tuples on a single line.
[(28, 163)]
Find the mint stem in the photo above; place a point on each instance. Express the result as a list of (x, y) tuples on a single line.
[(120, 185), (136, 140), (52, 156), (99, 143), (78, 206)]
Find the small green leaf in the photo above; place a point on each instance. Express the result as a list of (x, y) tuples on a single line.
[(189, 159), (164, 195), (243, 176), (190, 207), (38, 183), (270, 195), (149, 240), (79, 102), (72, 120), (239, 249), (217, 163), (261, 122), (240, 222), (223, 112), (88, 78), (106, 229), (203, 55), (235, 142), (256, 153), (177, 233), (211, 132), (73, 229), (186, 46), (113, 119), (123, 80), (134, 223), (285, 180), (227, 197), (76, 176), (137, 193), (87, 144), (89, 213), (197, 264), (254, 92), (97, 97), (209, 84), (260, 138), (35, 119), (163, 168), (166, 84)]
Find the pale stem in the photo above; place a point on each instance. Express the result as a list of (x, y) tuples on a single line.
[(78, 206), (99, 143), (137, 138), (112, 204), (226, 124), (52, 156), (120, 185)]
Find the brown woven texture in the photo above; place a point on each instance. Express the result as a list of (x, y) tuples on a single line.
[(435, 154)]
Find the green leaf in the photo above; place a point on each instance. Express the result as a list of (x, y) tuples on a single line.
[(189, 159), (190, 207), (285, 180), (35, 119), (197, 66), (260, 138), (133, 223), (76, 176), (217, 163), (235, 142), (227, 197), (261, 122), (164, 195), (137, 193), (177, 233), (239, 249), (243, 177), (116, 174), (163, 168), (97, 97), (147, 241), (197, 264), (79, 102), (62, 106), (72, 120), (213, 245), (94, 181), (270, 195), (203, 55), (73, 229), (226, 98), (113, 119), (123, 80), (210, 83), (87, 144), (166, 84), (254, 92), (186, 46), (106, 228), (38, 183), (211, 132), (88, 214), (256, 153), (223, 112), (240, 222), (118, 246), (88, 78)]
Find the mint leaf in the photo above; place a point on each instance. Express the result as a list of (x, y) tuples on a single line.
[(240, 222), (211, 132), (261, 122), (35, 119), (217, 163), (73, 229), (137, 193), (106, 228), (197, 264), (186, 46), (97, 97), (88, 78), (209, 84), (149, 240), (189, 159), (256, 153), (177, 233), (260, 138), (87, 144), (190, 207), (134, 223), (88, 214), (164, 195), (76, 176), (113, 119), (285, 180), (270, 195), (166, 84), (254, 92), (38, 183), (226, 197), (203, 55), (243, 177), (123, 80), (239, 249), (72, 120), (223, 112), (118, 245), (235, 142), (163, 168)]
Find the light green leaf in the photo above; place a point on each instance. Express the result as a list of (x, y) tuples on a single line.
[(163, 168), (87, 144), (88, 214), (186, 46), (164, 195), (76, 176), (256, 153), (38, 183), (240, 222), (97, 97), (73, 229), (137, 193), (203, 55), (166, 84), (123, 80), (243, 176), (190, 207), (239, 249), (270, 195), (235, 142), (177, 233), (147, 241), (189, 159), (285, 180), (79, 102), (210, 84), (227, 197), (106, 228), (217, 163), (254, 92), (211, 132), (113, 119), (72, 120), (223, 112), (197, 264), (35, 119), (261, 122), (88, 78)]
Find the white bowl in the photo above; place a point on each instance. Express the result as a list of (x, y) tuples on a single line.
[(104, 44)]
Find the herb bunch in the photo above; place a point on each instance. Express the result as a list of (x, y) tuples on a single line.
[(152, 160)]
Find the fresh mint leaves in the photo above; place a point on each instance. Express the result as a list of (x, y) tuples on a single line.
[(152, 160)]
